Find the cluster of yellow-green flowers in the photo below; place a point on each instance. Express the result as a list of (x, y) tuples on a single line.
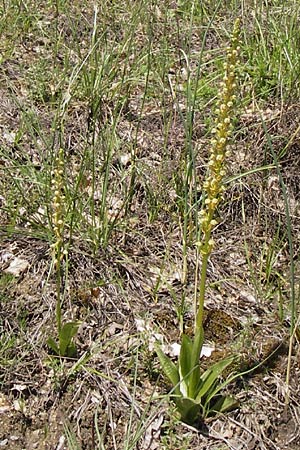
[(58, 198), (213, 186)]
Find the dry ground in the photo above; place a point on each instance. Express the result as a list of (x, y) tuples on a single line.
[(112, 396)]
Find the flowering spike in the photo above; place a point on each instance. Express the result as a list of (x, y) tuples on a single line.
[(58, 208), (213, 185)]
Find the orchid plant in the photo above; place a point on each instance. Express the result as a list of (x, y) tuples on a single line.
[(65, 345), (197, 394)]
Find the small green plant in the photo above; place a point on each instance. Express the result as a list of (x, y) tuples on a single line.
[(66, 332), (198, 395)]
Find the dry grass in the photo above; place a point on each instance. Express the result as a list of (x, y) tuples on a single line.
[(124, 269)]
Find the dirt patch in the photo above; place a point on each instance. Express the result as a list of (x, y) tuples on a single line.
[(127, 162)]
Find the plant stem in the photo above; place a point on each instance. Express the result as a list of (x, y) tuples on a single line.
[(58, 296), (199, 309), (202, 288)]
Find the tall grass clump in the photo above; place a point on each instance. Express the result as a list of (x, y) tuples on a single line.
[(196, 394)]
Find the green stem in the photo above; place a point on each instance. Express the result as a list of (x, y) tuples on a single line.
[(58, 307), (202, 288), (58, 292), (205, 252)]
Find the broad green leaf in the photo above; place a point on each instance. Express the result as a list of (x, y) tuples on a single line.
[(214, 391), (219, 386), (184, 364), (210, 376), (195, 381), (71, 350), (223, 404), (68, 331), (169, 369), (53, 345), (197, 346), (189, 410)]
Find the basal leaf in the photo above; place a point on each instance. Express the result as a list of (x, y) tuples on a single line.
[(223, 404), (71, 350), (53, 345), (210, 376), (68, 331), (169, 369), (197, 346), (184, 364), (195, 381), (189, 410)]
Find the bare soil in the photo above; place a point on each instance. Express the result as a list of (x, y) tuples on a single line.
[(129, 292)]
